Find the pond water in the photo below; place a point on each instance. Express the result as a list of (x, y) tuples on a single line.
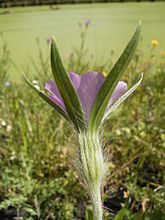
[(110, 29)]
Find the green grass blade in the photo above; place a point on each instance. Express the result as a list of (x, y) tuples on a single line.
[(46, 98), (89, 213), (121, 214), (66, 88), (104, 94)]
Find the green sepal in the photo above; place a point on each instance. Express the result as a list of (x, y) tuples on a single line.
[(112, 107), (46, 98), (66, 88), (102, 99)]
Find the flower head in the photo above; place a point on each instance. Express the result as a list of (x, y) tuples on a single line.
[(86, 22), (155, 43), (87, 100), (48, 40), (87, 87)]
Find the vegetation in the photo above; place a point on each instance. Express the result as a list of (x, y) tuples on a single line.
[(8, 3), (100, 38), (37, 180)]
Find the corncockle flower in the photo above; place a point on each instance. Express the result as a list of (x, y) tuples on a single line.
[(87, 87), (87, 102), (86, 22)]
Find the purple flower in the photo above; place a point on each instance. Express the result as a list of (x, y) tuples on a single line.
[(48, 39), (86, 22), (87, 87)]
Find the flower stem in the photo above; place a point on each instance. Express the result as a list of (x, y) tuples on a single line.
[(97, 205), (92, 168)]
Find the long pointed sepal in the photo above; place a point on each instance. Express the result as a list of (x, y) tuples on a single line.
[(105, 92), (66, 88), (111, 108), (46, 98)]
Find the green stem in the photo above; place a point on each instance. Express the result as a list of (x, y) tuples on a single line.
[(93, 168), (96, 204)]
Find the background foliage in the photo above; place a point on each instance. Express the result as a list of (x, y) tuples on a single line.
[(8, 3), (37, 179)]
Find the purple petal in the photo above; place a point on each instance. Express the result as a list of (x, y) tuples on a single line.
[(76, 79), (51, 87), (59, 102), (86, 22), (54, 95), (120, 89), (86, 85), (88, 88)]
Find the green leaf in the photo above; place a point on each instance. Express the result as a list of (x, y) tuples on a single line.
[(30, 211), (102, 99), (89, 213), (66, 89), (46, 98), (154, 216), (139, 215), (121, 214)]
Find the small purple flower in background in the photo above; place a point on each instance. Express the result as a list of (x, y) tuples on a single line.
[(87, 87), (48, 39), (86, 22), (7, 83)]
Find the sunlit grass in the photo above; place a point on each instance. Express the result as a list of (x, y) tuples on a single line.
[(108, 23)]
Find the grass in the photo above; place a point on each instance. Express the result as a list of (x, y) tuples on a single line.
[(111, 26), (37, 178)]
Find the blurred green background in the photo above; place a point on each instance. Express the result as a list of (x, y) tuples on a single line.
[(110, 29)]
